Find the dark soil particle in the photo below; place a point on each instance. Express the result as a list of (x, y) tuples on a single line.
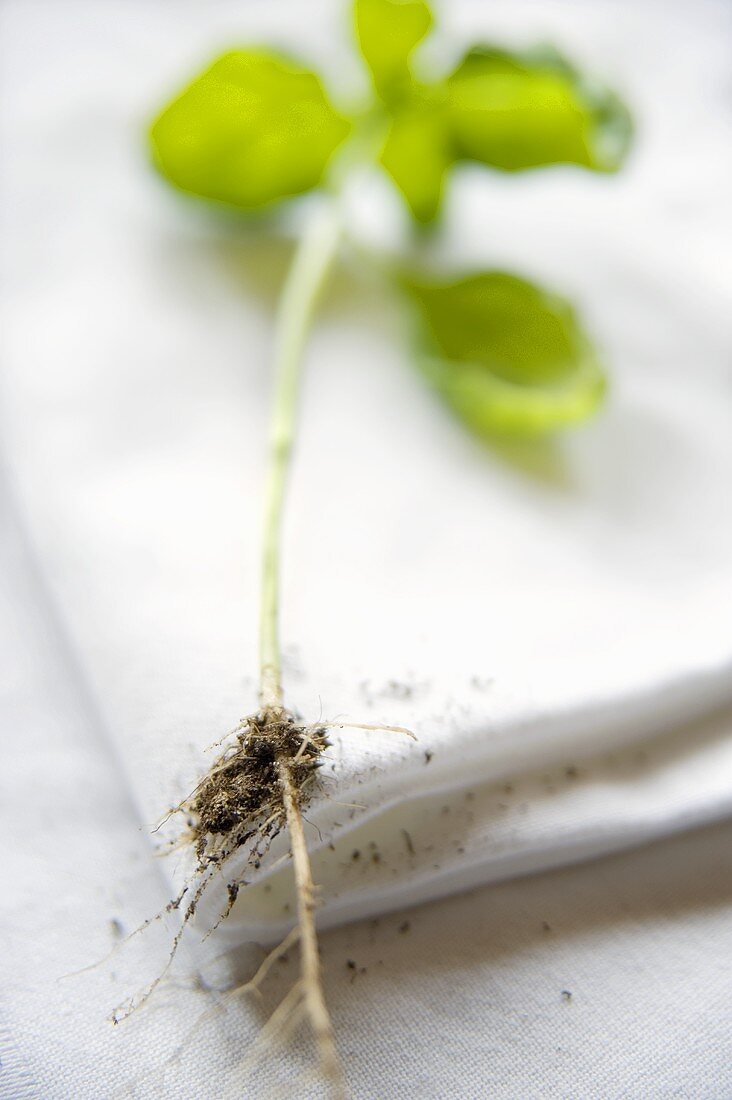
[(396, 690)]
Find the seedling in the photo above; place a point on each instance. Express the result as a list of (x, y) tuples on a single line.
[(257, 129)]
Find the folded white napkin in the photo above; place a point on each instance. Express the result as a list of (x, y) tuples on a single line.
[(552, 622)]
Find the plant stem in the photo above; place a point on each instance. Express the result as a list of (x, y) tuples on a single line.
[(314, 256)]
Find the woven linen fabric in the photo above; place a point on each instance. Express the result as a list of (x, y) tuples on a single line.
[(553, 622)]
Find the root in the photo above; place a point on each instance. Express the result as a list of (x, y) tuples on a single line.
[(169, 908), (312, 983), (122, 1012), (255, 789), (369, 726), (240, 797), (252, 986)]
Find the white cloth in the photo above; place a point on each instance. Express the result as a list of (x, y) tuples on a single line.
[(466, 1002), (554, 625)]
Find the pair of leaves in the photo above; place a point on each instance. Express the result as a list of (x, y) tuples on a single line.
[(257, 127), (510, 111)]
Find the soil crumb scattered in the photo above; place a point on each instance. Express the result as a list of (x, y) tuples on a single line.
[(566, 995), (396, 690)]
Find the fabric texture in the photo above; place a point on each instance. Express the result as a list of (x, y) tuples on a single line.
[(461, 998), (553, 622)]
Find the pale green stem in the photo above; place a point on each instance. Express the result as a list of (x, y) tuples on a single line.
[(312, 262)]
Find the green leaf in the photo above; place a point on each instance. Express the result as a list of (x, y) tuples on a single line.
[(515, 111), (507, 356), (417, 154), (250, 130), (387, 32)]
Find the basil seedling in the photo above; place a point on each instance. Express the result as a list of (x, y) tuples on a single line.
[(257, 128)]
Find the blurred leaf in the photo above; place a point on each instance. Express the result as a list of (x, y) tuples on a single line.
[(509, 111), (506, 355), (417, 155), (252, 129), (515, 111), (387, 32)]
